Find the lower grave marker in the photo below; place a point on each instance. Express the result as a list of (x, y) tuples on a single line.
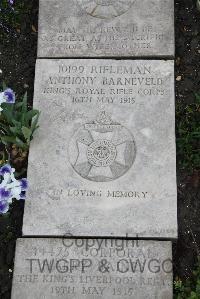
[(103, 160), (92, 269)]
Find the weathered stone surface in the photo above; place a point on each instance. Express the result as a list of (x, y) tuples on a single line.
[(103, 160), (91, 28), (92, 269)]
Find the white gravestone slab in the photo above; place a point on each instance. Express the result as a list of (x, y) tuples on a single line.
[(102, 28), (92, 269), (103, 160)]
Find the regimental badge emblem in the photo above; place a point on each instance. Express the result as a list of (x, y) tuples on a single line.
[(102, 150), (106, 9)]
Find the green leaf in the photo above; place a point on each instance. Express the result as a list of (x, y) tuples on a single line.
[(8, 139), (4, 128), (23, 119), (14, 140), (27, 133), (14, 130), (24, 106), (7, 112), (20, 143), (4, 85), (16, 123), (30, 114), (18, 105), (34, 125)]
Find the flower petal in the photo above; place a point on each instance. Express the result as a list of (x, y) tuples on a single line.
[(4, 207), (4, 194), (6, 180), (22, 196), (15, 192), (24, 184), (5, 169), (2, 98), (9, 95)]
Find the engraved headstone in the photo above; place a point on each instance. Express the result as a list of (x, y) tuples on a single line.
[(106, 28), (92, 269), (103, 160)]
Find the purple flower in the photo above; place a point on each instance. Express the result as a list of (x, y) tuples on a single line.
[(4, 207), (4, 194), (24, 184), (22, 195), (10, 188), (5, 169), (9, 95)]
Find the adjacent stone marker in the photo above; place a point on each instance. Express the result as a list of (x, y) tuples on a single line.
[(103, 160), (92, 269), (106, 28)]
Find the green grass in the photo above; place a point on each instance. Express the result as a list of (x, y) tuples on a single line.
[(188, 134), (12, 15), (190, 289)]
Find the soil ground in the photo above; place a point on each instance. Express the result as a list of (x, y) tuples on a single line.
[(17, 65)]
